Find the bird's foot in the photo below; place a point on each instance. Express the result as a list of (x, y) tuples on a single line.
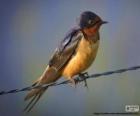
[(83, 76), (74, 82)]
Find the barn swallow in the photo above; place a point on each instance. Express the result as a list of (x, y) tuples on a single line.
[(75, 54)]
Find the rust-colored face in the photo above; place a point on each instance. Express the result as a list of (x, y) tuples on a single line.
[(92, 30)]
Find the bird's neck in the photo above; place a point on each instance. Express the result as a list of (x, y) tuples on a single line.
[(94, 37)]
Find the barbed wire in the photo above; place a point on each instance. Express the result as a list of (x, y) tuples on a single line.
[(67, 81)]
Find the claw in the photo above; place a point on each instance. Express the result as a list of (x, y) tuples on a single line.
[(73, 81), (83, 76)]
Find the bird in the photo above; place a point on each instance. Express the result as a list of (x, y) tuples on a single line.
[(75, 54)]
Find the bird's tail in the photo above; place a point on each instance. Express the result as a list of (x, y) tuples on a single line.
[(36, 94), (50, 75)]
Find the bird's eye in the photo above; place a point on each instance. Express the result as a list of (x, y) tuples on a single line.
[(90, 22)]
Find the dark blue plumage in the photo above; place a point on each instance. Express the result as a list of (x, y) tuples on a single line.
[(88, 19), (71, 57), (68, 38)]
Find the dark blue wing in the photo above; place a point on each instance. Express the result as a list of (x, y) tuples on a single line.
[(66, 49), (68, 39)]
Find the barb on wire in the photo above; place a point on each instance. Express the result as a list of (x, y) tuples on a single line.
[(76, 79)]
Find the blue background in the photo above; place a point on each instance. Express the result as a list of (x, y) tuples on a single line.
[(30, 30)]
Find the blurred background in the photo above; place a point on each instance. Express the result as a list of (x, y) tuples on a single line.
[(30, 30)]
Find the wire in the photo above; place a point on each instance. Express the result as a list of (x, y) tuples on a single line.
[(76, 79)]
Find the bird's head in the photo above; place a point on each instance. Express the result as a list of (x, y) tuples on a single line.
[(90, 23)]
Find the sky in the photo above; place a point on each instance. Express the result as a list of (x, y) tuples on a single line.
[(30, 30)]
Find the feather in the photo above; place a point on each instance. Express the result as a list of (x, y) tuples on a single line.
[(48, 76), (56, 65)]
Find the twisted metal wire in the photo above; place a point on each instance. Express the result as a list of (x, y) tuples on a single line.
[(76, 79)]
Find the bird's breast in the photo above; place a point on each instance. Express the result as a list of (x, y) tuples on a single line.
[(85, 55)]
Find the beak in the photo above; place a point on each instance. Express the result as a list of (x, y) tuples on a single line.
[(104, 22)]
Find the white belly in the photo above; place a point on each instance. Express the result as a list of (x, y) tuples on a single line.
[(84, 57)]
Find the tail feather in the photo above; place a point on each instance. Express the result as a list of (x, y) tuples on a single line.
[(34, 100), (26, 109), (48, 76), (31, 94)]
